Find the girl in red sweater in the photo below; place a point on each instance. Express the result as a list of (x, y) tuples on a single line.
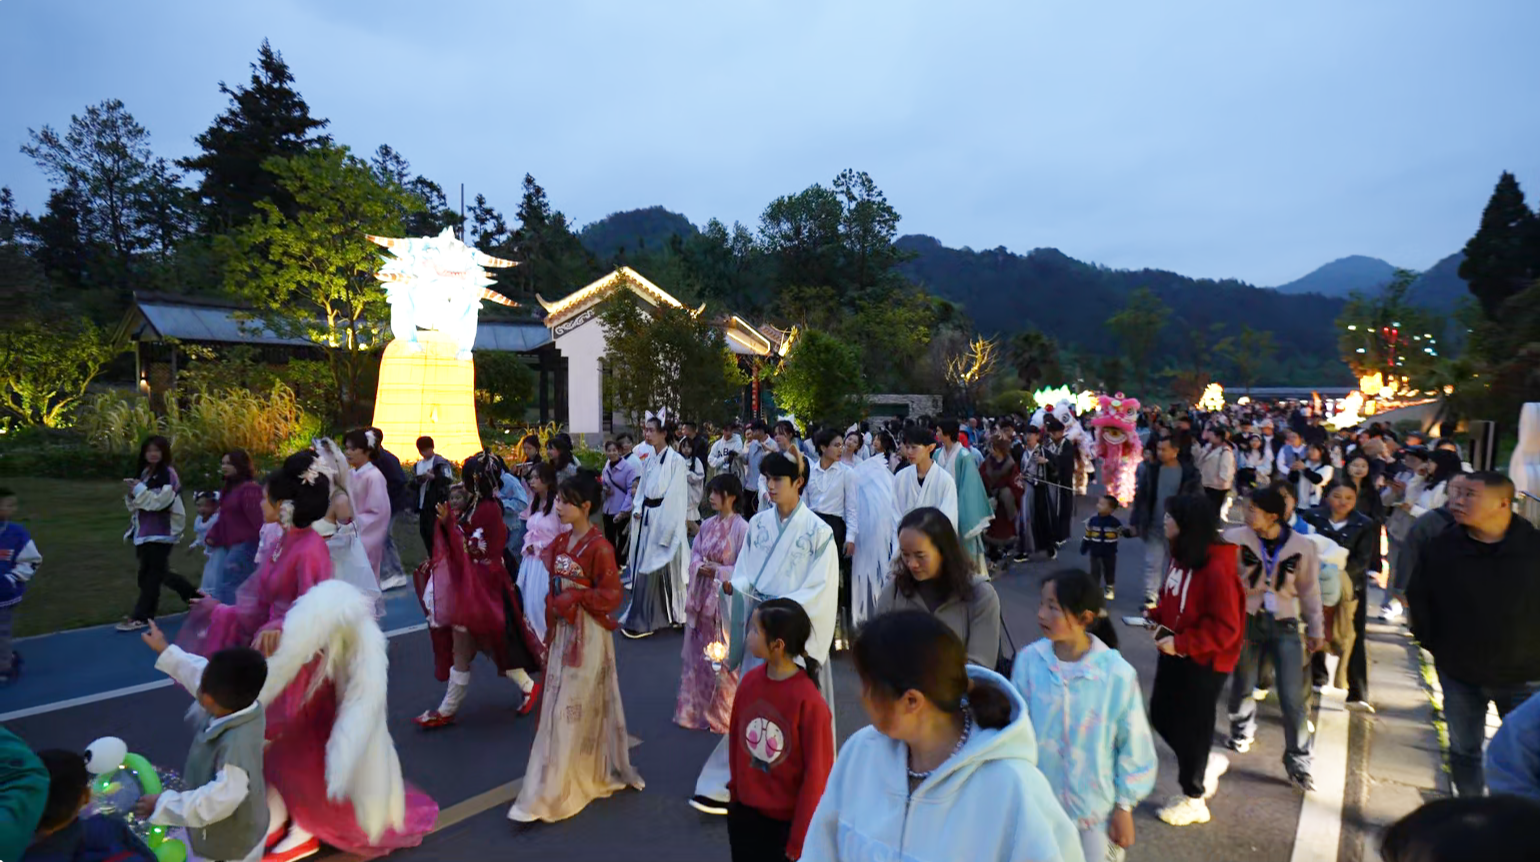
[(781, 746), (1199, 625)]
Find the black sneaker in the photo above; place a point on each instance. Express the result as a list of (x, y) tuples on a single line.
[(1302, 781), (635, 635), (1022, 558), (707, 805)]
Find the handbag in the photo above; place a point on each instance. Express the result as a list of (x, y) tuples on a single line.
[(1007, 657)]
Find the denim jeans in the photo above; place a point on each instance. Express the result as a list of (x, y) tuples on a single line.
[(1465, 711), (1279, 639), (1157, 560)]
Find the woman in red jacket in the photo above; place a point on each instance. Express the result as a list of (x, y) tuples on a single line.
[(1199, 623)]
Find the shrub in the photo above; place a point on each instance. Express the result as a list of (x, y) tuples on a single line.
[(202, 425)]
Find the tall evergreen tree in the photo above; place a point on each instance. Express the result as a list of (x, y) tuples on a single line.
[(267, 118), (1500, 258), (552, 261)]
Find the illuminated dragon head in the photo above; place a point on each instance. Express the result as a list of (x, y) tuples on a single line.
[(1115, 416)]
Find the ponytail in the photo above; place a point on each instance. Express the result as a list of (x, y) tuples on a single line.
[(786, 621), (1076, 594)]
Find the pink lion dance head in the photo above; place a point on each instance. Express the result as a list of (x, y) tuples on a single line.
[(1117, 445)]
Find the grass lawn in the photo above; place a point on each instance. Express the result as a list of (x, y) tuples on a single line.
[(88, 575)]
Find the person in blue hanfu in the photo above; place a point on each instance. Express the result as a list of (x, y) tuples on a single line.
[(789, 554), (973, 509)]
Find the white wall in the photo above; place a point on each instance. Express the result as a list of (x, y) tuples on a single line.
[(583, 347)]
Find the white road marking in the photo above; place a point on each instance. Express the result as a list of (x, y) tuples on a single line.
[(128, 691), (1319, 833)]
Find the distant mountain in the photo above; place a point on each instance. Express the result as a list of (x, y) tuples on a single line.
[(1046, 289), (1440, 288), (1343, 276), (635, 232)]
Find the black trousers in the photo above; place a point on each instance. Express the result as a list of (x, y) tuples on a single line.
[(1216, 498), (1105, 570), (754, 837), (616, 534), (1182, 710), (154, 573), (837, 524)]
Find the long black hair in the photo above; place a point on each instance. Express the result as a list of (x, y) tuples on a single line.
[(563, 446), (1197, 529), (786, 621), (161, 470), (482, 476), (888, 446), (546, 472), (956, 567), (1446, 465), (914, 651), (244, 471), (1076, 594)]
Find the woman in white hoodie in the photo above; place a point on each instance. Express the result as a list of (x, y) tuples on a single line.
[(950, 756)]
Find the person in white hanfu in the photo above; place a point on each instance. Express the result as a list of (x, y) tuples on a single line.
[(660, 548), (789, 554), (831, 494), (876, 540), (924, 483)]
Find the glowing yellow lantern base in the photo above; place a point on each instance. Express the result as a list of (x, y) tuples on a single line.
[(428, 392)]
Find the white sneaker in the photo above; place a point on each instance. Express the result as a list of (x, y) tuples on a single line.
[(1360, 706), (394, 582), (1184, 811), (1392, 611), (1218, 765)]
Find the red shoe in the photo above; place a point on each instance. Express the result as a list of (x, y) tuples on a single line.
[(529, 700), (302, 851), (433, 719), (273, 839)]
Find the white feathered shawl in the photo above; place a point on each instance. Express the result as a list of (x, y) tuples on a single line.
[(336, 621)]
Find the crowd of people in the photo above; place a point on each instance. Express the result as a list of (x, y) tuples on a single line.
[(772, 549)]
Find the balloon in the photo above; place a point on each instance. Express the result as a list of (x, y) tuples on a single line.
[(105, 755), (171, 851)]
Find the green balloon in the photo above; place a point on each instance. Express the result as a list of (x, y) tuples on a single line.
[(171, 851), (149, 779)]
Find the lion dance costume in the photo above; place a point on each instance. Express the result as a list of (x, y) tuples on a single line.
[(1117, 445)]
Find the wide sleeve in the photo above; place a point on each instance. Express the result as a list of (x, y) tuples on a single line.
[(851, 490), (819, 595), (1135, 761), (703, 539), (603, 598), (816, 733), (23, 794)]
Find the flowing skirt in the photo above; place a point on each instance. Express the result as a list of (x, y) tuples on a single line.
[(705, 694), (652, 599), (581, 751), (228, 568), (294, 764), (534, 585)]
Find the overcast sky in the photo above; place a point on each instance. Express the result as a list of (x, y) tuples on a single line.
[(1221, 139)]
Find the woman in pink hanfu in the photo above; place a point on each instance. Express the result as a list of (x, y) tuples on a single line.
[(706, 692), (326, 736), (366, 491)]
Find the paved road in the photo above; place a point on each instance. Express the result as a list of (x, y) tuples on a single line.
[(1255, 814)]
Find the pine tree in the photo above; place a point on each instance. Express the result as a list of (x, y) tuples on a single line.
[(552, 260), (1499, 259), (266, 118)]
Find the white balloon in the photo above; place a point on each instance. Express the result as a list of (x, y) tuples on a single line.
[(105, 755)]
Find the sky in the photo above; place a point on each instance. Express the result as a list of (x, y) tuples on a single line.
[(1215, 139)]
